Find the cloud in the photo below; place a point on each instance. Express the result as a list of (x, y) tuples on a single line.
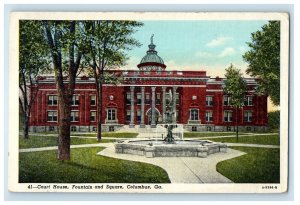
[(227, 52), (218, 41), (203, 54)]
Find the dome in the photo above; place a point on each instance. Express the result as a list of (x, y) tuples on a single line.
[(151, 61), (152, 58)]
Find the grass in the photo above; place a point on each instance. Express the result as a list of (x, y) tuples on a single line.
[(259, 165), (206, 134), (272, 139), (47, 141), (86, 167)]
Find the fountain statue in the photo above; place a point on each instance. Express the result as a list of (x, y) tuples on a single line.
[(169, 113)]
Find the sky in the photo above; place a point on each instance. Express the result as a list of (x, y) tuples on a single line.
[(196, 45)]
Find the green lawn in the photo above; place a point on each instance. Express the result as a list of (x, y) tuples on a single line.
[(86, 167), (259, 165), (206, 134), (251, 139), (46, 141)]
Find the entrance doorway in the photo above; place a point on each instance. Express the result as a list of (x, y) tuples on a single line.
[(157, 116)]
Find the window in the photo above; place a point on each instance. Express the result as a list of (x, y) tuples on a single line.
[(248, 101), (226, 100), (111, 128), (208, 129), (167, 98), (147, 101), (157, 99), (75, 100), (208, 116), (52, 116), (128, 114), (194, 128), (248, 116), (93, 99), (227, 116), (52, 99), (73, 129), (51, 128), (128, 98), (177, 115), (74, 116), (194, 114), (209, 101), (111, 114), (158, 72), (146, 73), (228, 128), (94, 129), (138, 115), (248, 128), (177, 98), (93, 116), (139, 98)]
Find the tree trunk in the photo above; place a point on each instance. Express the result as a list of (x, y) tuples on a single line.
[(99, 109), (236, 125), (26, 126), (64, 127)]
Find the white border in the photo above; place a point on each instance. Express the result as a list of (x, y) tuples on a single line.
[(168, 188)]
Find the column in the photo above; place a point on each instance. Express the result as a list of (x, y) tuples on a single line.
[(174, 105), (164, 104), (153, 123), (132, 106), (142, 107)]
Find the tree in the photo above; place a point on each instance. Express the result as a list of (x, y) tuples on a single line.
[(264, 60), (33, 60), (274, 120), (106, 43), (235, 88), (63, 38)]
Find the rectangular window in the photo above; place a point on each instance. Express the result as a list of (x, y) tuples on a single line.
[(209, 101), (227, 116), (247, 116), (138, 98), (157, 99), (209, 116), (248, 101), (177, 98), (93, 99), (138, 115), (111, 114), (194, 114), (73, 129), (93, 116), (128, 114), (52, 99), (167, 98), (74, 116), (52, 116), (128, 98), (226, 100), (147, 100), (75, 100)]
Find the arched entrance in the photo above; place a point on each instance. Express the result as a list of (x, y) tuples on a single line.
[(158, 117)]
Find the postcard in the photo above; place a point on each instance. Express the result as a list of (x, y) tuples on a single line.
[(148, 102)]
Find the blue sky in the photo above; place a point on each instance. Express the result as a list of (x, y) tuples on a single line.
[(196, 45)]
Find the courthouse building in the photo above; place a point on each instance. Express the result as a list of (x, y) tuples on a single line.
[(145, 95)]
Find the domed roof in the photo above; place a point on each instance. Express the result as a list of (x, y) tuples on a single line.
[(152, 57), (151, 61)]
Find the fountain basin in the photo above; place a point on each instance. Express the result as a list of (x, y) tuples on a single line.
[(159, 148)]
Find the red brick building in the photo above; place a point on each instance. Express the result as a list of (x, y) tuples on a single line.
[(197, 100)]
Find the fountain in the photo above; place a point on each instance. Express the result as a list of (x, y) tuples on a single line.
[(169, 147)]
